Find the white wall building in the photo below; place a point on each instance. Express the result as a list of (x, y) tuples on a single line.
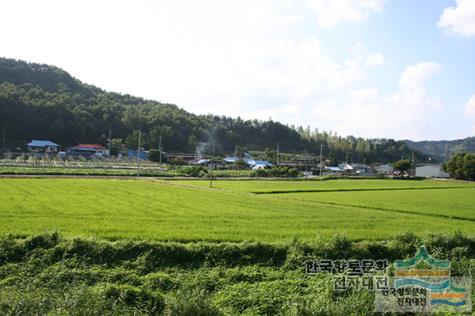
[(430, 171)]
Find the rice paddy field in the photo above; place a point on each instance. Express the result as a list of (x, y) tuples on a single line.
[(234, 210), (86, 246)]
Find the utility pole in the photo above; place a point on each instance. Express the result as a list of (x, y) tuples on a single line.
[(138, 152), (109, 141), (210, 169), (278, 153), (235, 150), (160, 148), (4, 140), (321, 159)]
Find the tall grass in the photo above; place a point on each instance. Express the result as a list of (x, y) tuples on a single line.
[(46, 274)]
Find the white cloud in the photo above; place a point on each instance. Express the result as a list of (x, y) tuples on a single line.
[(405, 113), (331, 12), (374, 59), (459, 20), (470, 107), (362, 56), (414, 76)]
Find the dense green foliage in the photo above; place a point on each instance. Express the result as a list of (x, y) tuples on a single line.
[(278, 172), (461, 166), (46, 274), (193, 171), (44, 102), (190, 210)]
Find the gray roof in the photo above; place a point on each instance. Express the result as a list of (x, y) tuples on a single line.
[(42, 143)]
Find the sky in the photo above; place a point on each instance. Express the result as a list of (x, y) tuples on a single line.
[(402, 69)]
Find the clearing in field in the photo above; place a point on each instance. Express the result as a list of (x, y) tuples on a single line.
[(189, 210)]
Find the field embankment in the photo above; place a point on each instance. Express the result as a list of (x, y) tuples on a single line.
[(46, 274)]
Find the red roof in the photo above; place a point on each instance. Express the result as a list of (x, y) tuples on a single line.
[(93, 146)]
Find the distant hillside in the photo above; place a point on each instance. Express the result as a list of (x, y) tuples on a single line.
[(44, 102), (439, 150)]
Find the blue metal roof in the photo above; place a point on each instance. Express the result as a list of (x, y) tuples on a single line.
[(42, 143), (263, 162)]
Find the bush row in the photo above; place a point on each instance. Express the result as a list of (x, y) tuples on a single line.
[(285, 172), (153, 255)]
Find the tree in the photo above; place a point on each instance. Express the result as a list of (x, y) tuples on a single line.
[(240, 164), (154, 155), (116, 144), (402, 165), (333, 161), (270, 155), (461, 166)]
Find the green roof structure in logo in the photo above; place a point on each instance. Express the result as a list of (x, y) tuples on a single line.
[(422, 255)]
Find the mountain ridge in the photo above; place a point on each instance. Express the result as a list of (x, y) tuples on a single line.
[(443, 149)]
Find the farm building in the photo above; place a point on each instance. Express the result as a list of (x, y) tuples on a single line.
[(97, 147), (259, 164), (209, 163), (251, 162), (43, 146), (302, 164), (87, 150), (363, 170), (327, 171), (430, 171), (346, 167), (143, 155), (384, 169)]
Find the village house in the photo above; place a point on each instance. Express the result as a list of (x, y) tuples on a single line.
[(42, 146), (385, 169), (87, 150)]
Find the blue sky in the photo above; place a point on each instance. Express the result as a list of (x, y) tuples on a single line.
[(370, 68)]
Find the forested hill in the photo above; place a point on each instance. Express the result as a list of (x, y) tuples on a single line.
[(440, 150), (44, 102)]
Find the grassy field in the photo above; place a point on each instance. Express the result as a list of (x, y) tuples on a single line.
[(277, 186), (451, 203), (188, 210), (181, 248)]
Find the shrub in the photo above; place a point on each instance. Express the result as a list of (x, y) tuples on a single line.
[(193, 171), (154, 155), (152, 302), (276, 172)]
